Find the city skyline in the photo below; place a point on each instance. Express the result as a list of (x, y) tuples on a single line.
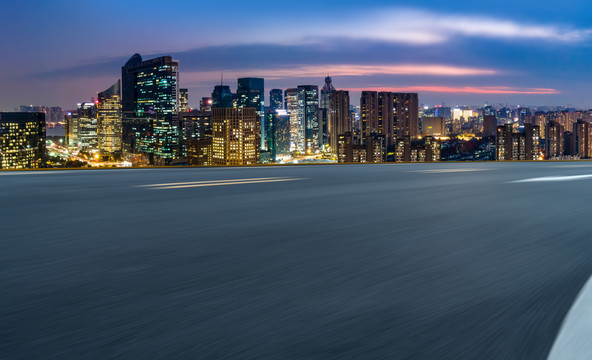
[(463, 54)]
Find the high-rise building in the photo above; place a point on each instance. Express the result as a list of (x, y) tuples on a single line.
[(276, 101), (515, 145), (183, 100), (296, 130), (339, 117), (22, 140), (325, 114), (432, 126), (150, 95), (386, 116), (369, 114), (251, 94), (200, 152), (195, 125), (425, 150), (489, 125), (371, 152), (554, 140), (205, 104), (308, 117), (569, 144), (406, 115), (235, 136), (87, 126), (222, 97), (282, 134), (582, 138), (109, 125), (71, 119)]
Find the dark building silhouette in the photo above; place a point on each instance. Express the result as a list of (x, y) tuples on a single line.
[(222, 97), (489, 125), (582, 138), (554, 140), (406, 113), (22, 140), (276, 99)]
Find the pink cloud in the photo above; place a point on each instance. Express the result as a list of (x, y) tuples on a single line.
[(462, 90)]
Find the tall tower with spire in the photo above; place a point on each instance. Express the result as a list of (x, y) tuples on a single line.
[(325, 110)]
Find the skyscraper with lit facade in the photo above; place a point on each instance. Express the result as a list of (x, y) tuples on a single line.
[(369, 114), (87, 121), (251, 94), (308, 117), (325, 113), (296, 133), (406, 115), (339, 117), (150, 95), (22, 140), (183, 100), (109, 125), (235, 136)]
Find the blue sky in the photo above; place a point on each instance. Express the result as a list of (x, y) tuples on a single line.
[(457, 52)]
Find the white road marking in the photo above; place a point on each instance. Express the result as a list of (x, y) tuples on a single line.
[(574, 339), (14, 173), (553, 179), (571, 166), (213, 183), (207, 182), (438, 171)]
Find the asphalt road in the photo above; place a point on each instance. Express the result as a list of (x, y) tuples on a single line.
[(433, 261)]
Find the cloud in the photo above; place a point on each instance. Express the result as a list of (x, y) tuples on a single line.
[(464, 90), (421, 27), (320, 71)]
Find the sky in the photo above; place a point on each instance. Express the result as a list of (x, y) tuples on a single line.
[(61, 52)]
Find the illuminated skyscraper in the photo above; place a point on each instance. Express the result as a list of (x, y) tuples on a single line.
[(22, 140), (183, 100), (369, 114), (109, 125), (339, 117), (251, 94), (554, 140), (276, 101), (236, 136), (406, 114), (282, 134), (87, 126), (296, 133), (308, 117), (325, 113), (150, 99)]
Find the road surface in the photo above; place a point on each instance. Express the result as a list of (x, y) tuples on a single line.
[(393, 261)]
